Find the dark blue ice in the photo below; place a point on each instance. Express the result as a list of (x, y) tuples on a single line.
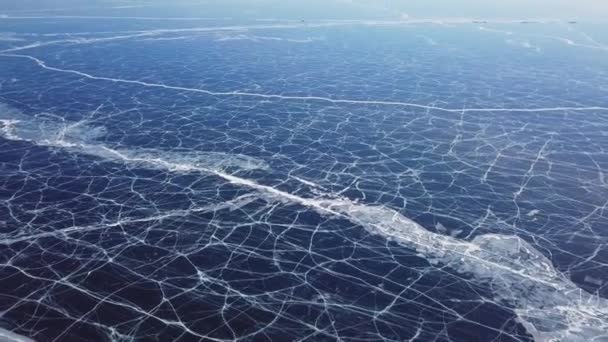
[(225, 179)]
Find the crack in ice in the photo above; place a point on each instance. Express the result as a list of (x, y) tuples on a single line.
[(43, 65)]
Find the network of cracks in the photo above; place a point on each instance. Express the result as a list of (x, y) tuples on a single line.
[(339, 190)]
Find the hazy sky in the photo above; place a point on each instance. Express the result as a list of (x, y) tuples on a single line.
[(333, 9)]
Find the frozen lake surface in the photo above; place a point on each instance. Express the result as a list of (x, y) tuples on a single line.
[(194, 179)]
